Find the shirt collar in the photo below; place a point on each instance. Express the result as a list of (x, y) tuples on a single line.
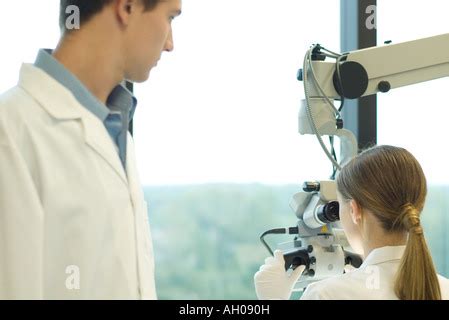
[(120, 99), (384, 254)]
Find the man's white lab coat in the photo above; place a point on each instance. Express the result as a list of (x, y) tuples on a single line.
[(73, 223)]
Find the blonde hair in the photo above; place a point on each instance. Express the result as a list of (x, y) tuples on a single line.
[(389, 182)]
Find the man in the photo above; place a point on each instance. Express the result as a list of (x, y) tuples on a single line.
[(73, 220)]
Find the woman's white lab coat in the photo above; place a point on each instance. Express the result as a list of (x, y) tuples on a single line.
[(73, 223), (374, 280)]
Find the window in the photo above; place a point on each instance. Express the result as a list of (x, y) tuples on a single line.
[(217, 140), (415, 117)]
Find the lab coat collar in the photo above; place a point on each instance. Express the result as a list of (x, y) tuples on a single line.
[(50, 94), (384, 254), (60, 103)]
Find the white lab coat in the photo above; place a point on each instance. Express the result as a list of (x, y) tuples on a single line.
[(374, 280), (73, 224)]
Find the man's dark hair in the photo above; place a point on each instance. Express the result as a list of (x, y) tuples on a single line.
[(88, 8)]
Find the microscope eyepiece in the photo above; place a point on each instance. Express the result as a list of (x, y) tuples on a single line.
[(329, 212)]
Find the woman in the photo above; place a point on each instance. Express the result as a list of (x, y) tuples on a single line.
[(381, 194)]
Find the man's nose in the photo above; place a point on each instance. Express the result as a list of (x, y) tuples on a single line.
[(169, 46)]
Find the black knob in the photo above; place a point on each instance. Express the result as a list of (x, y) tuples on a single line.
[(353, 80), (312, 260), (310, 249), (384, 86)]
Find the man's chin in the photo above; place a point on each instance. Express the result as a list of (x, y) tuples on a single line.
[(140, 78)]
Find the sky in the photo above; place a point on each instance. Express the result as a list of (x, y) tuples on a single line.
[(223, 106)]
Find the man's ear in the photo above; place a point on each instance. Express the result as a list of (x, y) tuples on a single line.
[(355, 210), (123, 9)]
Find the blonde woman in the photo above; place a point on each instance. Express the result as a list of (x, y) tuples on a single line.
[(381, 194)]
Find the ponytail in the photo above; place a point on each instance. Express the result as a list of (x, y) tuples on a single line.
[(416, 278)]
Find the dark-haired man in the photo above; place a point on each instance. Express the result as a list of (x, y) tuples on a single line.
[(73, 220)]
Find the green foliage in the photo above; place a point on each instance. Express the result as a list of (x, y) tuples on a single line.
[(206, 237), (435, 219)]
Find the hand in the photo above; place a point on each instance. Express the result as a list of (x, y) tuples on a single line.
[(272, 282)]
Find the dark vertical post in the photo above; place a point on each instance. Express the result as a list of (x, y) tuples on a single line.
[(358, 32), (130, 87)]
